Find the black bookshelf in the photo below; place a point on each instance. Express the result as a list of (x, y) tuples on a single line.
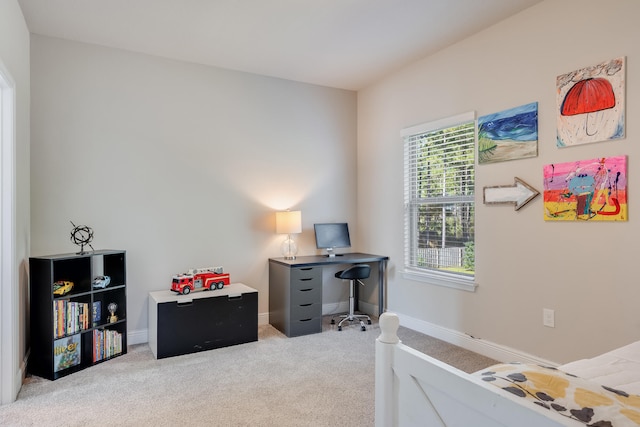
[(75, 331)]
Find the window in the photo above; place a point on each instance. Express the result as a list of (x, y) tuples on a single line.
[(439, 165)]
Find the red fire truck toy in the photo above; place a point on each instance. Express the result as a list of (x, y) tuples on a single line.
[(199, 279)]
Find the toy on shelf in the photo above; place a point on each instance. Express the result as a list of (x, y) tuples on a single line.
[(62, 287), (112, 307), (200, 279), (101, 282)]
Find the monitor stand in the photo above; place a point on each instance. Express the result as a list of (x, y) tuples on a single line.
[(331, 254)]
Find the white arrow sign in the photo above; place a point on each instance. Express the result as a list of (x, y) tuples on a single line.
[(518, 194)]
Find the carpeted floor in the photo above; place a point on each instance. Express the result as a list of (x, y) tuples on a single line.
[(324, 379)]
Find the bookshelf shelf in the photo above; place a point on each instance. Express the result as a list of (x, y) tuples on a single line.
[(74, 331)]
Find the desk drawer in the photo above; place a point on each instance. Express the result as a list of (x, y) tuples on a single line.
[(306, 295), (306, 275), (306, 311), (306, 326)]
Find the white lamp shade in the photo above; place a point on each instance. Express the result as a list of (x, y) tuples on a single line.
[(289, 222)]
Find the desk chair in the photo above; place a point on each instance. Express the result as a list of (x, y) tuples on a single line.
[(354, 274)]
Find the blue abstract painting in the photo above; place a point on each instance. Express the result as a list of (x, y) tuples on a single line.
[(508, 135)]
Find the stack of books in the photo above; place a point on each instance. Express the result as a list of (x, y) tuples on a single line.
[(106, 343), (69, 317)]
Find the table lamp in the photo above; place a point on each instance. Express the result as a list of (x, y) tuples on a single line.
[(289, 222)]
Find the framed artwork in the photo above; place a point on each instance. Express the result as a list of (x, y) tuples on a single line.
[(589, 190), (508, 135), (591, 104)]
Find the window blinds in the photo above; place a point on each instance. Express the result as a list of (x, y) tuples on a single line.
[(439, 192)]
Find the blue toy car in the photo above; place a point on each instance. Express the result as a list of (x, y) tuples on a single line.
[(101, 282)]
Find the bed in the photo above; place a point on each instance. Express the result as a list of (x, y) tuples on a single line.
[(413, 389)]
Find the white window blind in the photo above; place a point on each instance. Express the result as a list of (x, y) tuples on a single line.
[(439, 172)]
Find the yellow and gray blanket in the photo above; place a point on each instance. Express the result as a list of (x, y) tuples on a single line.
[(568, 395)]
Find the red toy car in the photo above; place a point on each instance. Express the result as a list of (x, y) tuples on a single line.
[(200, 279)]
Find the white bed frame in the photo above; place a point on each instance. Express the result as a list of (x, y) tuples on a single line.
[(413, 389)]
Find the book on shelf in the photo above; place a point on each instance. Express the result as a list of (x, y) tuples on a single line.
[(69, 317), (96, 315), (67, 352), (106, 343)]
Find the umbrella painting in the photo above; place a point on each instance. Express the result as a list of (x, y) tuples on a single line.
[(508, 135), (594, 190), (591, 104)]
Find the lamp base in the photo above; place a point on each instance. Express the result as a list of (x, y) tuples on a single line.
[(289, 248)]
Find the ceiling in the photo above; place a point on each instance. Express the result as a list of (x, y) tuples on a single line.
[(346, 44)]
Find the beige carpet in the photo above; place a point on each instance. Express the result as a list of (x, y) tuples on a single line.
[(322, 379)]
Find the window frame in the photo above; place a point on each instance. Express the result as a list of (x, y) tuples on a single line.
[(433, 276)]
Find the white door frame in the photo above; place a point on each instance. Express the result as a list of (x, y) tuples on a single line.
[(9, 384)]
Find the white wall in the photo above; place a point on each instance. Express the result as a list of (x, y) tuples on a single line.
[(14, 60), (182, 165), (586, 272)]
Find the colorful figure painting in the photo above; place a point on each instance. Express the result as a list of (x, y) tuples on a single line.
[(591, 104), (589, 190), (508, 135)]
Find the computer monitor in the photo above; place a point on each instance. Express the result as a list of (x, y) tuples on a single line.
[(332, 235)]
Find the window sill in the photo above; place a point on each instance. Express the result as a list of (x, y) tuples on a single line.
[(442, 279)]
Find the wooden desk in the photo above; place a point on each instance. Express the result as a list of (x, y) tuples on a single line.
[(295, 290)]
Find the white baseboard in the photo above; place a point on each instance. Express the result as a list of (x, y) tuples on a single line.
[(21, 375), (370, 309), (263, 319), (477, 345), (140, 336), (343, 307), (335, 308)]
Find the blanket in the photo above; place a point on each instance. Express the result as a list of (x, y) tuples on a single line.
[(568, 395)]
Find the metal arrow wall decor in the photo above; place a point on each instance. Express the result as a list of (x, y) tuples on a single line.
[(518, 194)]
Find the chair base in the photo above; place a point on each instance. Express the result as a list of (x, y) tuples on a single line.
[(351, 315), (351, 318)]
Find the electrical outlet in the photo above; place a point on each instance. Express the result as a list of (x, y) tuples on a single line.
[(549, 317)]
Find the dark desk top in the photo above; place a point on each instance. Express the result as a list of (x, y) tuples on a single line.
[(313, 260)]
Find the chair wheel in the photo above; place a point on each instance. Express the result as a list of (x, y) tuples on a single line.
[(333, 322), (339, 328), (364, 328), (369, 321)]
